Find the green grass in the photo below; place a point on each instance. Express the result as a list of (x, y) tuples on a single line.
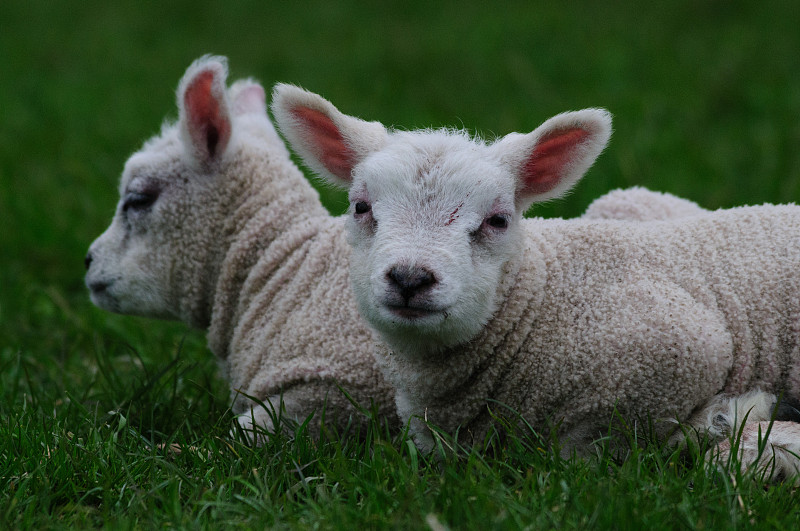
[(706, 98)]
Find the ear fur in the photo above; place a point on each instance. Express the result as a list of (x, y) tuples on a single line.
[(205, 119), (329, 142), (549, 161)]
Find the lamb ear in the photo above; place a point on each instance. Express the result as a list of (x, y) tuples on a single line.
[(550, 160), (248, 97), (329, 142), (204, 112)]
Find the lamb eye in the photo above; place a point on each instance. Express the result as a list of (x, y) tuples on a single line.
[(138, 201), (497, 221), (362, 207)]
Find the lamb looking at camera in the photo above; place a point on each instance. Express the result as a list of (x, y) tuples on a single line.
[(563, 321)]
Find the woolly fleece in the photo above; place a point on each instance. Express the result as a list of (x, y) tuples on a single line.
[(640, 204)]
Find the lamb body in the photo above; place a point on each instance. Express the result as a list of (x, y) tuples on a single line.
[(586, 326), (563, 321)]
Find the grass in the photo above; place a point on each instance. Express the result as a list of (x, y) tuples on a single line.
[(706, 98)]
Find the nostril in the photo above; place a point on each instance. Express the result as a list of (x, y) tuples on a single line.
[(88, 260), (425, 278)]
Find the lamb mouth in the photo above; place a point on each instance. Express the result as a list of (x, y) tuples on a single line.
[(101, 296), (414, 313)]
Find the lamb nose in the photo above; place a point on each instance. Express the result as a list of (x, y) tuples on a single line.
[(410, 279), (88, 260)]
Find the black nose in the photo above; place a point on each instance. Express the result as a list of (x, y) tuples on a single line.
[(410, 280), (88, 260)]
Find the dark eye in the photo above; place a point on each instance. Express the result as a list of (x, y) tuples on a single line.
[(497, 221), (138, 201), (362, 207)]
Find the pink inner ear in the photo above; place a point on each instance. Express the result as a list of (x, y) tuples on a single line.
[(327, 142), (207, 122), (550, 158)]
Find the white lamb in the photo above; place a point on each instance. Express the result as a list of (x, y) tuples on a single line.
[(217, 227), (565, 321)]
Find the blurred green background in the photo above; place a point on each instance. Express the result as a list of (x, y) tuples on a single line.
[(705, 97)]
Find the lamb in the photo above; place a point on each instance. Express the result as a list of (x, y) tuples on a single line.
[(217, 227), (564, 321)]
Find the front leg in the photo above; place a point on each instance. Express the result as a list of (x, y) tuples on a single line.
[(323, 399), (415, 415), (258, 421), (761, 432), (772, 449), (722, 415)]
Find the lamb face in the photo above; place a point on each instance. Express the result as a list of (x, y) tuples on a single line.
[(130, 265), (157, 258), (434, 215), (432, 224)]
